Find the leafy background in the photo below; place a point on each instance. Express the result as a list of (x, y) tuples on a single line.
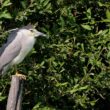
[(69, 70)]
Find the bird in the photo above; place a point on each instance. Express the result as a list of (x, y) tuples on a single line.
[(19, 43)]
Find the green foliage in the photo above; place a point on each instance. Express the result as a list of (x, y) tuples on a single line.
[(69, 70), (4, 12)]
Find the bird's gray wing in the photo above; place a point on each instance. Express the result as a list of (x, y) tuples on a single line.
[(10, 38), (11, 50)]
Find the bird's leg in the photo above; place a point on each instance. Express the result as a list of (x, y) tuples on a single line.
[(15, 68), (19, 74)]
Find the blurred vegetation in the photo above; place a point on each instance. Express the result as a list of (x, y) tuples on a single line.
[(71, 69)]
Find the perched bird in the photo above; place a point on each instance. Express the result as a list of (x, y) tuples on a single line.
[(18, 45)]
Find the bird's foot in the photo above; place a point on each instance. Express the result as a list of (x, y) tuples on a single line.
[(21, 76)]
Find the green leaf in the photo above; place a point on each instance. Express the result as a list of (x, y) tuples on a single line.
[(108, 14), (5, 15), (93, 102), (87, 27), (2, 97), (89, 13), (106, 20), (36, 106), (45, 3), (108, 55), (78, 88), (6, 3), (100, 4), (61, 84)]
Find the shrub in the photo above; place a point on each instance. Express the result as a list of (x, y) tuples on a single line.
[(70, 69)]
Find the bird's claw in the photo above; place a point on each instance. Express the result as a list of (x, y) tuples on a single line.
[(21, 76)]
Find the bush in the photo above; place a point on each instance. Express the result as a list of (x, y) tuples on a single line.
[(70, 69)]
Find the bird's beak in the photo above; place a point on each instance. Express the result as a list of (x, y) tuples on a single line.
[(40, 34)]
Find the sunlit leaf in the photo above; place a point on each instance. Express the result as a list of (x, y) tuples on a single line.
[(87, 27), (5, 15)]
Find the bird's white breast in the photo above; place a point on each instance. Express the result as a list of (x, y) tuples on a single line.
[(27, 45)]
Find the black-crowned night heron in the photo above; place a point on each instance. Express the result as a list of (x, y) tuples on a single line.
[(19, 44)]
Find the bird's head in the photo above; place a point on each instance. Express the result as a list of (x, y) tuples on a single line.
[(31, 31), (36, 33)]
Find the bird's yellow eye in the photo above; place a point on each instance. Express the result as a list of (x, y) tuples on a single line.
[(32, 30)]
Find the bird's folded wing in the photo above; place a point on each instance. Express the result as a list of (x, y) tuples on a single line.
[(10, 38), (10, 52)]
